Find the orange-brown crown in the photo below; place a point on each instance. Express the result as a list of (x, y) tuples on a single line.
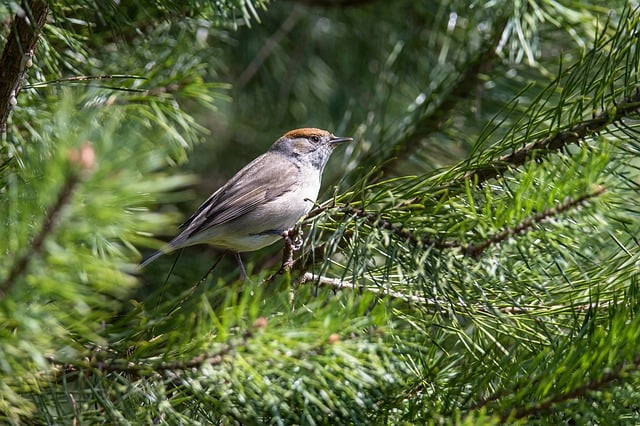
[(305, 132)]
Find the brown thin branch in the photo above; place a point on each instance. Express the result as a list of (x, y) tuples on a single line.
[(405, 234), (475, 250), (81, 160), (21, 265), (17, 54), (604, 382), (539, 149), (339, 284), (141, 370)]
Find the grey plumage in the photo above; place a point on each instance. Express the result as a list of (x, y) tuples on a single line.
[(264, 199)]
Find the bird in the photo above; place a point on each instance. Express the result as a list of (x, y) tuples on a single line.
[(265, 199)]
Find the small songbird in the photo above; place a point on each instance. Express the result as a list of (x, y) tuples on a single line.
[(264, 199)]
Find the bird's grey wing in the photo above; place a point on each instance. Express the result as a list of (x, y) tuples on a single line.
[(257, 183)]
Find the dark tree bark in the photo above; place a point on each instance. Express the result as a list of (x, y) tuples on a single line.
[(18, 53)]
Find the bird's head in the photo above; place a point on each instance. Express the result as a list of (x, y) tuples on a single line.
[(308, 145)]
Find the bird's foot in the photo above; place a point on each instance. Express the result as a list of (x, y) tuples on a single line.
[(293, 238), (292, 242)]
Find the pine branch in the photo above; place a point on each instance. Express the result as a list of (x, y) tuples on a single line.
[(90, 78), (20, 266), (142, 370), (17, 55), (339, 285), (537, 150), (465, 84), (334, 3), (475, 250), (606, 381), (403, 234), (83, 159)]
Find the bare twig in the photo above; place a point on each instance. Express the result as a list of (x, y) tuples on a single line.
[(339, 284)]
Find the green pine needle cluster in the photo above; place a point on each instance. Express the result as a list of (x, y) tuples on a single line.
[(473, 258)]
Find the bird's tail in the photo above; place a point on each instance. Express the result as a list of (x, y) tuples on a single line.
[(153, 257), (174, 244)]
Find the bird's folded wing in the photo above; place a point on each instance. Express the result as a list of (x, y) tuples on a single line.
[(253, 186)]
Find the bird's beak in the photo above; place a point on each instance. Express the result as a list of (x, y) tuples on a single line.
[(336, 140)]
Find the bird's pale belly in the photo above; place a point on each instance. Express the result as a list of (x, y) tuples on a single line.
[(242, 243)]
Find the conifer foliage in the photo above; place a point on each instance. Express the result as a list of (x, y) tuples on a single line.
[(473, 260)]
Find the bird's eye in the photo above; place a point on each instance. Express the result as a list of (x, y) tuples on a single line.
[(315, 138)]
